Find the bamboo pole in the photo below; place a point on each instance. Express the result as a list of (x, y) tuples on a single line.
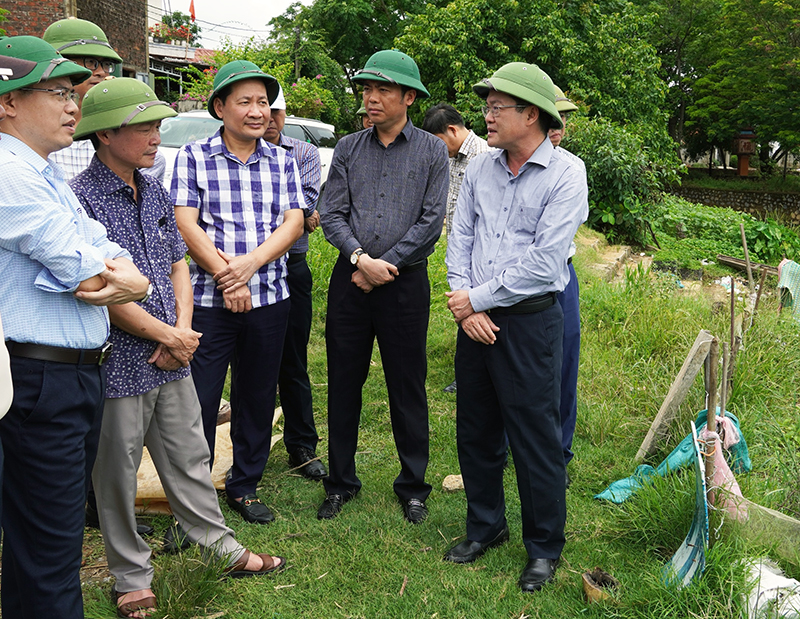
[(747, 259)]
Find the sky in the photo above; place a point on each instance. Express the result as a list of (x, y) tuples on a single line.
[(238, 19)]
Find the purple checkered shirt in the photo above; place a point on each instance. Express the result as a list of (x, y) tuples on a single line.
[(240, 204)]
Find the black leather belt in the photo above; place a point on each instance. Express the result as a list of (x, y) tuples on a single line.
[(296, 258), (528, 306), (76, 356), (416, 266)]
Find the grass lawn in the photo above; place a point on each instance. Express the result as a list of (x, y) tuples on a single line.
[(370, 563)]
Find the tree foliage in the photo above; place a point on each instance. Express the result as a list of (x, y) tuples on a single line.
[(754, 79), (305, 96)]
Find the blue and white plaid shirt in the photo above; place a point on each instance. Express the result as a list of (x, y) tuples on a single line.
[(240, 204), (48, 246)]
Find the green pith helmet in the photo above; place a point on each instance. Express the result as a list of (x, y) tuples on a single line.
[(118, 102), (237, 71), (78, 37), (563, 103), (394, 67), (47, 64), (362, 111), (11, 70), (524, 81)]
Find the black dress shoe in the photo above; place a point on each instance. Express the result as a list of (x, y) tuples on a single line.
[(175, 539), (251, 508), (467, 551), (332, 505), (300, 459), (414, 510), (451, 388), (536, 574)]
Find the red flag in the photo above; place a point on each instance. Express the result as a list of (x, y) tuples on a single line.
[(191, 9)]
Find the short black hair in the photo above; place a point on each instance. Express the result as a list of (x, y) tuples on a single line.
[(96, 141), (439, 117)]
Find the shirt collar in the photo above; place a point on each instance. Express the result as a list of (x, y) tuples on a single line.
[(406, 132), (466, 145), (109, 182), (285, 142), (541, 156), (27, 154)]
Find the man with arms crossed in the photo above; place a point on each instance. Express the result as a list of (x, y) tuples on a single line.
[(382, 209), (239, 207), (64, 268), (517, 213)]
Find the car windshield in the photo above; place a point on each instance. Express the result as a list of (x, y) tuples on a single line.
[(296, 132), (324, 137), (180, 130)]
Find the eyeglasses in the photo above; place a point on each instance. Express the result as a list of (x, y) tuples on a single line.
[(494, 110), (64, 94), (93, 63)]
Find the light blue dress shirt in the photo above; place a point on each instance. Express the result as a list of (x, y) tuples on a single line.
[(48, 246), (511, 234)]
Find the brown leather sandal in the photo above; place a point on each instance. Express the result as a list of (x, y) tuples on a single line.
[(237, 570), (129, 609)]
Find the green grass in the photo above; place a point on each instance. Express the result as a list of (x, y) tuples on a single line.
[(370, 563)]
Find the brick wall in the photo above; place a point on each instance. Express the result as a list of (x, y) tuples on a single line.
[(31, 17), (123, 21), (125, 25), (783, 206)]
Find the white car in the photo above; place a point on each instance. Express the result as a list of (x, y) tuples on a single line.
[(199, 124)]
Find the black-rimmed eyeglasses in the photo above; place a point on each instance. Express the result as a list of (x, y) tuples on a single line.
[(93, 63)]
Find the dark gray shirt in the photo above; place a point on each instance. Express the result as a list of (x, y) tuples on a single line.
[(390, 201)]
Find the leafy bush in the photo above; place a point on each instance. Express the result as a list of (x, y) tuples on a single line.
[(624, 169), (700, 231)]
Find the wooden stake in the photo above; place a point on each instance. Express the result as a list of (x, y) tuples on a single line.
[(711, 400), (747, 259), (723, 400), (677, 392), (760, 290), (733, 310)]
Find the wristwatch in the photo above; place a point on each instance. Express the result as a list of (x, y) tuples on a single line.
[(356, 255), (148, 294)]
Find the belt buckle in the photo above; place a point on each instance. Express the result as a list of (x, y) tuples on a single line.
[(105, 352)]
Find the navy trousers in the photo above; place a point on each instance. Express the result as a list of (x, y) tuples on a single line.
[(295, 387), (251, 343), (513, 387), (397, 315), (49, 437), (570, 305)]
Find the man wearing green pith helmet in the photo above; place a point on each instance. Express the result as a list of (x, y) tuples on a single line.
[(85, 44), (383, 210), (150, 399), (517, 213), (64, 268)]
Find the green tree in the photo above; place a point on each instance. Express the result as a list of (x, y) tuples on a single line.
[(594, 50), (305, 96), (754, 79), (3, 13)]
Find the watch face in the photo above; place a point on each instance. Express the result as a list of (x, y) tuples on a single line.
[(353, 258)]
